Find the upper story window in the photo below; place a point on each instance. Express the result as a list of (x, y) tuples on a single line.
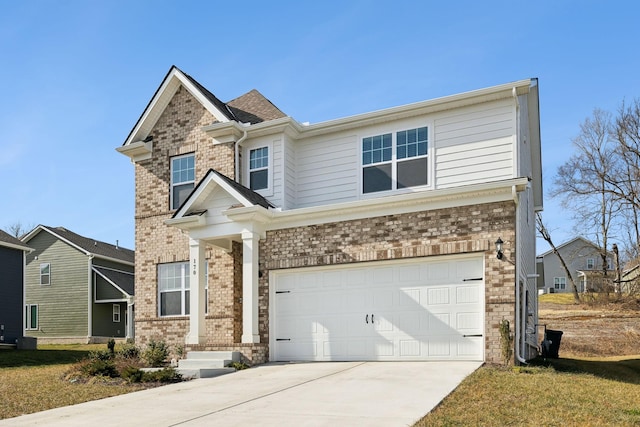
[(45, 273), (395, 161), (183, 179), (591, 263), (259, 168)]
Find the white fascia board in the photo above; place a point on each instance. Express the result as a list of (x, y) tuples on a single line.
[(186, 222), (16, 246), (296, 130), (161, 99), (137, 151)]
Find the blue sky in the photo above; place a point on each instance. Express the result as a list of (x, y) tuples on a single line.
[(76, 75)]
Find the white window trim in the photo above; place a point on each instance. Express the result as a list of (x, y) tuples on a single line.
[(41, 275), (247, 170), (591, 261), (185, 273), (558, 281), (394, 160), (171, 183), (27, 317), (116, 313)]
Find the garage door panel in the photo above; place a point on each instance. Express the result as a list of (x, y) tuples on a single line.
[(422, 309)]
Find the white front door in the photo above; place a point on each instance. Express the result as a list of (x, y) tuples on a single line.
[(397, 310)]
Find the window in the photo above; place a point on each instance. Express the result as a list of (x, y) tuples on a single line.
[(259, 168), (560, 283), (45, 273), (173, 289), (183, 178), (390, 163), (591, 263), (31, 317), (116, 313)]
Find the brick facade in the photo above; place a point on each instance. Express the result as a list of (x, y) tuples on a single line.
[(450, 231), (466, 229)]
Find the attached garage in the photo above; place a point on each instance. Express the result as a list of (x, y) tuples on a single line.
[(418, 309)]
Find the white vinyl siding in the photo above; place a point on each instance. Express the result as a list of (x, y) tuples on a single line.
[(475, 145), (328, 171), (560, 283), (289, 175)]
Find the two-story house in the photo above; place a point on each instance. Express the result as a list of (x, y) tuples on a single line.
[(78, 289), (584, 261), (12, 265), (370, 237)]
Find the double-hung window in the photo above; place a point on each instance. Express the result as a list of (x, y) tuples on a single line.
[(45, 273), (591, 263), (259, 168), (395, 161), (183, 179), (560, 283), (116, 313), (31, 317), (173, 289)]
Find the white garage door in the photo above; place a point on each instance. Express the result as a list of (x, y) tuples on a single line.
[(397, 310)]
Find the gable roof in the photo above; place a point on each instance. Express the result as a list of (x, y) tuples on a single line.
[(7, 240), (85, 244), (245, 196), (121, 280), (569, 242), (251, 107)]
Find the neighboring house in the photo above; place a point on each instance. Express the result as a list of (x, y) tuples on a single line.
[(12, 266), (584, 262), (77, 289), (368, 237)]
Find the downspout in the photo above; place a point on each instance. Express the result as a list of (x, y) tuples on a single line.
[(90, 300), (236, 150)]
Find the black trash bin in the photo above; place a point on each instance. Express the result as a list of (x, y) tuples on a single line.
[(554, 338)]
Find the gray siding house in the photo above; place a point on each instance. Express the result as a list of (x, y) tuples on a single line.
[(77, 289), (584, 262), (12, 262)]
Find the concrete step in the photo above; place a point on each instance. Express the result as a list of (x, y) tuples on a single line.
[(204, 372), (203, 363), (213, 355)]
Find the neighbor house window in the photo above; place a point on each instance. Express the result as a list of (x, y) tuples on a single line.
[(560, 283), (591, 263), (259, 168), (395, 161), (45, 273), (183, 179), (173, 289), (116, 313), (31, 317)]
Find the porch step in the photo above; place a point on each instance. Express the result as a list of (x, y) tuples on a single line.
[(207, 364)]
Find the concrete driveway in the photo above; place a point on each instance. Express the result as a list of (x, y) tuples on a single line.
[(292, 394)]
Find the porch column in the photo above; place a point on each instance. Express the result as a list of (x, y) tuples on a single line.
[(197, 265), (250, 332), (130, 326)]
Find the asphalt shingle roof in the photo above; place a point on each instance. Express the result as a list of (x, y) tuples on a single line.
[(9, 239), (253, 107), (247, 193), (93, 246)]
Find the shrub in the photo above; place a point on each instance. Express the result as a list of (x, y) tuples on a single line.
[(98, 367), (239, 366), (156, 353), (132, 374), (103, 355), (111, 346), (129, 351), (164, 375)]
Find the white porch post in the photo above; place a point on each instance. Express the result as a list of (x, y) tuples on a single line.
[(130, 326), (197, 264), (250, 332)]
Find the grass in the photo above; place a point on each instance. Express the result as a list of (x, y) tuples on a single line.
[(32, 380), (563, 298), (562, 392)]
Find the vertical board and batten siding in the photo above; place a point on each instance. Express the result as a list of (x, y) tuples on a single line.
[(474, 145), (11, 292), (62, 305), (328, 171)]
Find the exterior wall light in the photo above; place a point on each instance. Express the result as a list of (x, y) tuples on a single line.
[(499, 253)]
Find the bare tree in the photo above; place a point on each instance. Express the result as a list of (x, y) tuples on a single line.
[(544, 233), (17, 229)]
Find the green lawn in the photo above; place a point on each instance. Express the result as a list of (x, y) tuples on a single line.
[(563, 392)]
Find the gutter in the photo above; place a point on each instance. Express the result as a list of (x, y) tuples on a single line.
[(236, 149)]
